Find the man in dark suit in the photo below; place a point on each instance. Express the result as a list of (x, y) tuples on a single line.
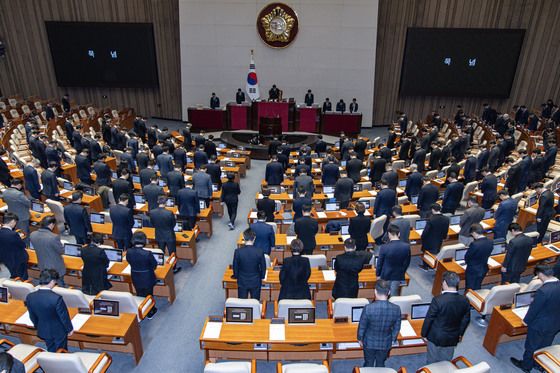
[(343, 190), (142, 268), (300, 200), (49, 313), (249, 267), (210, 147), (102, 171), (446, 321), (378, 167), (494, 158), (394, 258), (330, 172), (230, 196), (525, 166), (31, 178), (435, 157), (359, 227), (385, 200), (127, 160), (513, 176), (504, 214), (189, 206), (200, 157), (147, 173), (214, 170), (294, 274), (273, 93), (309, 98), (419, 159), (305, 182), (542, 318), (152, 192), (164, 162), (453, 194), (140, 127), (123, 221), (83, 166), (327, 105), (391, 177), (470, 169), (306, 228), (353, 167), (53, 154), (274, 172), (428, 195), (12, 251), (546, 211), (267, 205), (517, 253), (273, 146), (414, 182), (164, 222), (489, 188), (123, 185), (435, 231), (179, 157), (379, 326), (347, 267), (77, 218), (239, 96), (476, 258), (214, 101), (50, 183), (341, 106), (354, 106), (482, 159), (94, 272), (265, 237), (175, 180)]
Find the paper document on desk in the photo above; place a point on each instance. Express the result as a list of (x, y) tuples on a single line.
[(493, 263), (456, 228), (253, 215), (259, 196), (342, 213), (367, 213), (126, 271), (372, 192), (277, 332), (329, 275), (348, 345), (406, 329), (212, 330), (79, 320), (25, 320), (322, 215), (330, 195), (410, 342), (520, 312), (484, 225), (345, 237), (289, 239), (62, 191), (140, 206)]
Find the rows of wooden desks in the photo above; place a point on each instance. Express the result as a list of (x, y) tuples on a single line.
[(504, 326), (323, 340), (119, 334)]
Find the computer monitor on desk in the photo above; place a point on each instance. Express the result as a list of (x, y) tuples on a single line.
[(357, 313), (160, 258), (420, 224), (344, 228), (103, 307), (301, 315), (332, 206), (531, 200), (402, 183), (139, 198), (114, 255), (524, 299), (3, 294), (460, 255), (358, 187), (88, 190), (136, 179), (488, 214), (137, 223), (97, 218), (71, 249), (67, 185), (554, 237), (499, 247), (239, 314), (37, 207), (454, 219), (162, 183), (327, 189), (419, 311), (170, 202), (414, 199)]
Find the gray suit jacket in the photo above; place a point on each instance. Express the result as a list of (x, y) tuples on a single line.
[(472, 215), (306, 182), (17, 203), (49, 250), (202, 184)]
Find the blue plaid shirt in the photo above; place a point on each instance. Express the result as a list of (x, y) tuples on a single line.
[(380, 324)]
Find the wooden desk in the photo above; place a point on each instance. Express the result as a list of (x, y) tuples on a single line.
[(203, 219), (94, 202), (504, 326), (241, 162), (319, 341), (120, 334)]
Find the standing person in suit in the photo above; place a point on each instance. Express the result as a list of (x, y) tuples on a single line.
[(473, 215), (210, 147), (19, 204), (354, 106), (299, 201), (343, 190), (142, 268), (214, 101), (359, 227), (267, 205), (435, 231), (50, 183), (249, 267), (470, 169), (165, 162), (542, 318), (330, 172), (49, 248), (179, 157), (265, 237), (12, 251), (525, 166), (294, 274), (341, 106), (428, 195), (274, 93), (385, 200), (347, 267), (83, 166), (489, 188), (94, 273), (49, 313), (453, 194), (327, 105), (504, 214), (230, 196), (537, 171), (435, 156), (239, 96), (446, 321), (65, 101), (391, 177), (394, 259), (476, 258), (189, 206), (517, 253), (379, 326), (152, 192), (164, 222), (147, 173), (123, 186), (353, 167), (309, 98), (274, 172), (378, 166), (214, 170), (102, 171), (123, 221), (77, 218), (305, 182), (419, 159), (203, 185), (414, 182), (306, 228), (403, 225), (175, 180), (31, 178), (546, 211)]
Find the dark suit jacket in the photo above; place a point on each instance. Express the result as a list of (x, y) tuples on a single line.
[(447, 319), (353, 167), (435, 232), (413, 184), (230, 192), (210, 148), (165, 163), (49, 314), (175, 181), (123, 221), (489, 188), (359, 229), (377, 169), (513, 179), (306, 228), (266, 238), (294, 275), (188, 202), (103, 173), (384, 202), (12, 250), (122, 186), (145, 176), (542, 315), (77, 218), (31, 178), (504, 215), (306, 183), (163, 221), (142, 267), (518, 252), (392, 179), (274, 173), (180, 157), (394, 258), (200, 158), (477, 256), (330, 174), (380, 324), (482, 160), (435, 157), (269, 206), (94, 273), (470, 169), (344, 189), (546, 205), (452, 196), (419, 159), (215, 172), (428, 195), (347, 267), (50, 183), (249, 266), (151, 194)]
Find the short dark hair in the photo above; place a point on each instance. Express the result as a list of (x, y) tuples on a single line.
[(452, 175), (123, 197), (296, 246), (394, 230), (503, 193), (436, 207), (249, 235), (48, 275), (97, 238), (476, 228), (16, 182), (538, 185), (306, 208), (48, 220), (139, 239), (161, 200), (383, 287), (261, 215), (514, 227), (451, 279), (53, 164), (360, 207), (397, 209), (230, 176), (350, 243), (546, 270), (10, 217), (77, 195)]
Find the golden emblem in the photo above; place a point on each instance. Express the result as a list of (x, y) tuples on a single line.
[(277, 25)]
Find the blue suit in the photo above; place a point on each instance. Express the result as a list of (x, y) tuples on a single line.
[(123, 221), (470, 169), (489, 189), (142, 267), (164, 221), (504, 216), (394, 258), (200, 158), (249, 268), (413, 184), (265, 236), (384, 202), (151, 194), (31, 178), (78, 219), (274, 173), (165, 163), (297, 205), (330, 174), (13, 254), (452, 197), (476, 259)]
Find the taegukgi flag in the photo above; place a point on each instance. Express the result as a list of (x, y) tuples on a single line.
[(252, 87)]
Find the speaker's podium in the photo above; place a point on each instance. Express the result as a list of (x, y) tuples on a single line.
[(239, 115), (270, 127), (266, 109)]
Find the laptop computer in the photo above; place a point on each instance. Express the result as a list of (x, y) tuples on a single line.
[(441, 174), (104, 307), (178, 227), (499, 247), (137, 223), (332, 206), (97, 218), (358, 187), (454, 221), (239, 314), (357, 313), (67, 185), (71, 249), (327, 189), (488, 214), (531, 200), (37, 207), (402, 183), (419, 310), (420, 224), (366, 203), (344, 229), (202, 204), (3, 294), (88, 190), (136, 179), (160, 258), (343, 163), (170, 202), (139, 198), (162, 183), (460, 256), (114, 255), (214, 187), (114, 175), (301, 315), (522, 301)]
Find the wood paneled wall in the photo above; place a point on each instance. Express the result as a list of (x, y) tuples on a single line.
[(538, 70), (27, 68)]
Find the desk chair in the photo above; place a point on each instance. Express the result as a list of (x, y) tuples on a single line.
[(376, 141), (19, 289), (484, 300), (281, 307), (316, 260), (446, 252), (14, 114), (378, 370), (74, 298), (231, 367), (411, 219), (432, 174), (397, 165), (366, 185), (405, 302), (25, 353), (517, 197), (452, 366), (129, 303), (533, 285), (259, 310), (403, 200), (548, 358), (469, 188), (58, 211), (77, 362), (377, 224), (82, 114), (268, 261), (303, 368), (342, 307)]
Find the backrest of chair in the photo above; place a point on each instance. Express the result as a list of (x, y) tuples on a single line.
[(343, 306), (534, 284), (228, 367), (402, 200), (533, 234), (273, 225), (481, 367), (253, 303), (405, 302), (499, 295), (397, 165), (432, 174), (374, 370), (267, 260), (12, 102), (448, 251), (411, 219), (57, 209), (468, 189), (316, 260), (83, 113), (51, 362), (366, 185), (517, 197), (285, 304), (14, 113), (18, 289), (73, 298), (377, 226), (25, 109), (304, 367), (127, 304)]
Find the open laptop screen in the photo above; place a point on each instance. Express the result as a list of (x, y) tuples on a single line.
[(3, 295), (419, 311), (105, 307), (239, 314), (37, 207), (332, 206), (71, 249), (524, 299), (114, 255), (97, 218), (357, 313), (420, 224), (301, 315), (488, 214), (460, 254)]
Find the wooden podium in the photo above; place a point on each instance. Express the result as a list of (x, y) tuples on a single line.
[(269, 127)]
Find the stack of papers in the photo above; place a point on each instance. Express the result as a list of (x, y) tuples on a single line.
[(493, 263), (521, 312), (366, 213), (212, 330), (25, 320), (260, 196), (406, 329), (330, 195), (342, 213), (372, 192), (126, 271), (277, 332), (345, 237), (484, 225), (253, 215), (455, 228), (289, 239), (79, 320), (321, 215), (329, 275), (140, 206), (347, 346)]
